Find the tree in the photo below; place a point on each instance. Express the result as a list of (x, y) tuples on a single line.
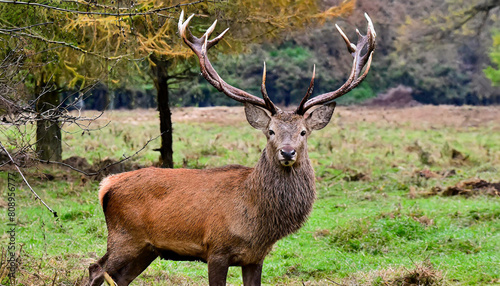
[(493, 73), (444, 52), (28, 29)]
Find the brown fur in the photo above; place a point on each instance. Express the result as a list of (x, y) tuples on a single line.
[(228, 216)]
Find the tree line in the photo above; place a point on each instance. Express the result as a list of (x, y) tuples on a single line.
[(447, 53)]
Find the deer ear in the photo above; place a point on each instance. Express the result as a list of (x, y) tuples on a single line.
[(320, 117), (257, 117)]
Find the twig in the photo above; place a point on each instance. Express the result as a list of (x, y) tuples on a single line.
[(109, 280), (55, 277), (333, 281), (105, 167), (26, 181), (71, 167), (154, 11), (95, 5), (40, 38), (24, 28)]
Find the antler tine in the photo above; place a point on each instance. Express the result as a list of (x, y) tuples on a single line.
[(270, 105), (351, 47), (359, 62), (308, 94), (182, 25), (371, 28), (200, 47)]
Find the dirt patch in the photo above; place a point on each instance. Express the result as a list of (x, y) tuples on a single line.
[(428, 174), (108, 167), (221, 115), (353, 176), (22, 158), (97, 171), (469, 188), (62, 171), (422, 117), (78, 163), (400, 96)]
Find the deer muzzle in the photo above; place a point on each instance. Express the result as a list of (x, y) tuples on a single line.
[(287, 156)]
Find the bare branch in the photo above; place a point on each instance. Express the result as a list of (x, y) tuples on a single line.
[(37, 197), (460, 21), (130, 14), (94, 4), (40, 38), (24, 28)]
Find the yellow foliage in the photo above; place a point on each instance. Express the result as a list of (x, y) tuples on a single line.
[(345, 8), (100, 34), (248, 20)]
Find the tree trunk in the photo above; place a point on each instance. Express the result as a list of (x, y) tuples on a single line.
[(160, 78), (101, 97), (48, 133)]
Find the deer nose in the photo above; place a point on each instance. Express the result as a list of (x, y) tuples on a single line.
[(288, 153)]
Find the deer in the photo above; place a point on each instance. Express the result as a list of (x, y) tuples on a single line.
[(225, 216)]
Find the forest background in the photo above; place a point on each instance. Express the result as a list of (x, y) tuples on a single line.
[(447, 52)]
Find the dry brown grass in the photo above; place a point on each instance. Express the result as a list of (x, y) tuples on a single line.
[(422, 274), (426, 116), (417, 117)]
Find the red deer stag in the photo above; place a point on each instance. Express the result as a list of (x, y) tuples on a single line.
[(228, 216)]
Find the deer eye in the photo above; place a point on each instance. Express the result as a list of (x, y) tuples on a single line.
[(303, 133), (271, 132)]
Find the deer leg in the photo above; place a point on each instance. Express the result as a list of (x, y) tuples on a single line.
[(135, 267), (252, 274), (122, 264), (96, 273), (217, 270)]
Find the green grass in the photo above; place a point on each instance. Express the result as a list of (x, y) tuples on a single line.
[(364, 230)]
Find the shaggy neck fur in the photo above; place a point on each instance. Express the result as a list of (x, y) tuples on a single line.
[(286, 196)]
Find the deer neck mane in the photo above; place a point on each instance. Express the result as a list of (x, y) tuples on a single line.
[(285, 194)]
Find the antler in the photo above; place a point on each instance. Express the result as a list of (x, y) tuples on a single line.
[(200, 47), (358, 64)]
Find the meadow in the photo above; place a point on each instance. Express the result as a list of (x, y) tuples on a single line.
[(405, 197)]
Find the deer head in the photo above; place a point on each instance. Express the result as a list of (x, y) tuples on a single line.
[(286, 131)]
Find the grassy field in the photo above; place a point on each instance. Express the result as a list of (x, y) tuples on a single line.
[(400, 198)]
